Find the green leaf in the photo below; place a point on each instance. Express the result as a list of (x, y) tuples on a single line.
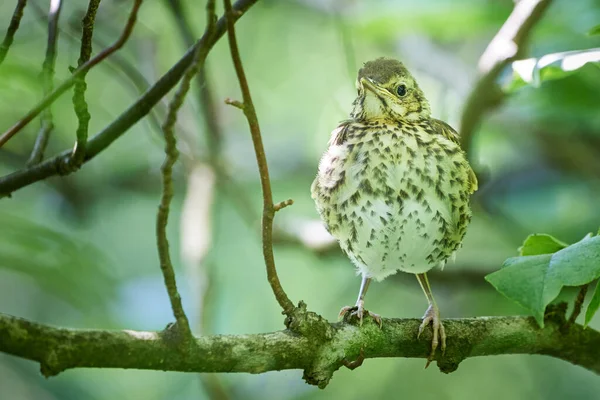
[(521, 279), (593, 306), (534, 71), (534, 281), (594, 31), (541, 243)]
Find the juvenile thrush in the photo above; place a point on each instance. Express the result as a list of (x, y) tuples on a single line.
[(393, 186)]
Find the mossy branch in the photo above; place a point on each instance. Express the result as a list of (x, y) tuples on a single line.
[(79, 103), (15, 21), (319, 352), (172, 154)]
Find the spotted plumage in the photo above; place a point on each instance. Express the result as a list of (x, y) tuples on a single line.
[(393, 186)]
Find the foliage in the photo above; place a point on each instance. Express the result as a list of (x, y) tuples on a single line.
[(533, 71), (546, 265)]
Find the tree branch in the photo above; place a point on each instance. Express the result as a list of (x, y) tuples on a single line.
[(200, 198), (79, 103), (67, 84), (142, 106), (578, 304), (171, 157), (268, 207), (507, 46), (119, 65), (210, 117), (204, 96), (12, 29), (59, 349), (47, 125)]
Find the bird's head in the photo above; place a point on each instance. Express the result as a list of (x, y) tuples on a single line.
[(386, 90)]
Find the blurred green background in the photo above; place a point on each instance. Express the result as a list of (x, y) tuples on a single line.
[(80, 251)]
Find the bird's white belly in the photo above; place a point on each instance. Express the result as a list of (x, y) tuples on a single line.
[(405, 242)]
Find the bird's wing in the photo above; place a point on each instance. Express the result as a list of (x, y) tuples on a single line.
[(338, 137), (449, 133), (340, 134), (314, 189)]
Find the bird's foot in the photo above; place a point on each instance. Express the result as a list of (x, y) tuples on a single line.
[(359, 311), (432, 315)]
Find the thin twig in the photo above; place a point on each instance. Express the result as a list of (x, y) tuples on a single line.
[(261, 159), (352, 365), (213, 131), (202, 269), (283, 204), (12, 29), (235, 103), (167, 168), (47, 124), (140, 108), (79, 103), (508, 45), (578, 304), (205, 99), (66, 85), (120, 66)]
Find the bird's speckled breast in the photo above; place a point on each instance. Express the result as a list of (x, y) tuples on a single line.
[(395, 196)]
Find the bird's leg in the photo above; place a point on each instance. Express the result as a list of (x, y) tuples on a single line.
[(431, 315), (359, 308)]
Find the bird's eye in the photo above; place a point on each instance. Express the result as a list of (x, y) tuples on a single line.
[(401, 90)]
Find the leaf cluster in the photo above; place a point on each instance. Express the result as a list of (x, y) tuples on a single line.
[(545, 265)]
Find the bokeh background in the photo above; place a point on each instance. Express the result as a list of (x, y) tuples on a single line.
[(80, 251)]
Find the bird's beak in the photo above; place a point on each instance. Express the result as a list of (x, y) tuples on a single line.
[(367, 83)]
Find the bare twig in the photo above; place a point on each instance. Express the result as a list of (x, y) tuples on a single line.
[(81, 71), (12, 29), (268, 207), (167, 168), (508, 45), (212, 129), (47, 125), (140, 108), (119, 65), (235, 103), (578, 304), (79, 103), (163, 216), (283, 204), (352, 365), (196, 227), (204, 96)]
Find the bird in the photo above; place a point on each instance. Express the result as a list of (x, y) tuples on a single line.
[(394, 187)]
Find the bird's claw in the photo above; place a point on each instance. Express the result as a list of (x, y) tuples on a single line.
[(359, 311), (432, 315)]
